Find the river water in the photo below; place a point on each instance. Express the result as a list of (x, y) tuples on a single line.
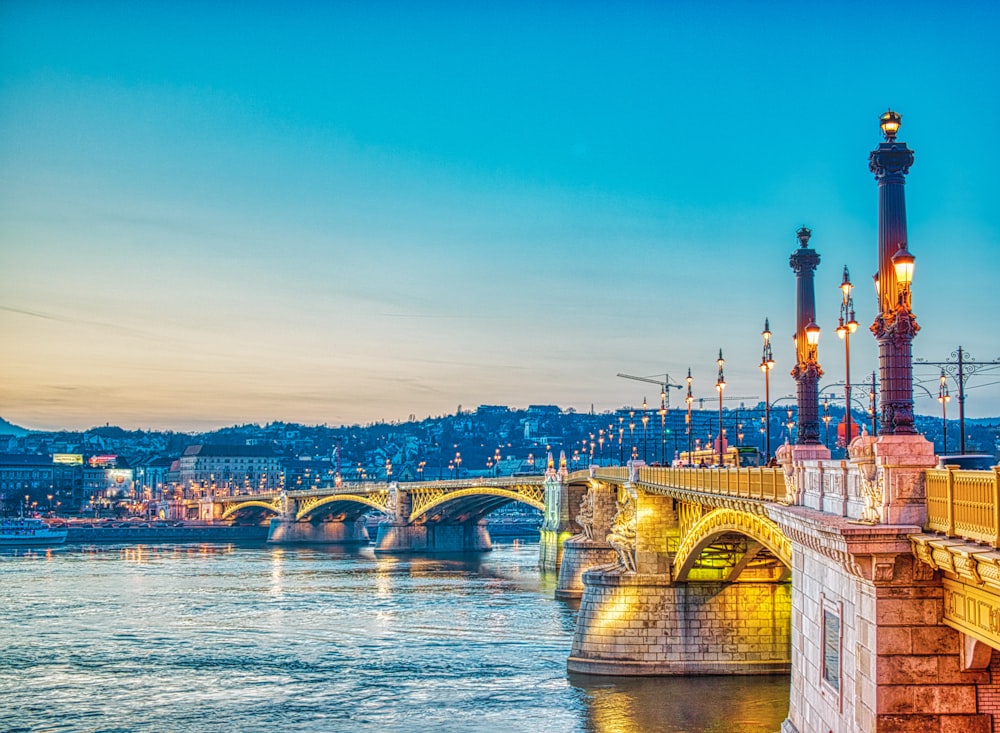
[(244, 638)]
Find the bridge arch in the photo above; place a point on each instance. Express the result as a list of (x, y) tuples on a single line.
[(234, 509), (763, 535), (474, 502), (361, 503)]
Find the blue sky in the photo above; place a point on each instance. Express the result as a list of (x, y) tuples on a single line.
[(242, 212)]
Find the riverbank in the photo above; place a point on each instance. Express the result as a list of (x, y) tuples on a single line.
[(222, 532), (182, 533)]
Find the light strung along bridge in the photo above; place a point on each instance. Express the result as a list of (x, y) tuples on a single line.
[(436, 516), (874, 581)]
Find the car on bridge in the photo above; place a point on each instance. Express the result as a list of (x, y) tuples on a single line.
[(969, 461)]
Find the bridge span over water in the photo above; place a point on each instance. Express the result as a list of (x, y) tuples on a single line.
[(434, 516), (873, 581)]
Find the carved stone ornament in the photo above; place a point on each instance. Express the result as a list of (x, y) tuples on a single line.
[(392, 503), (862, 448), (873, 492), (585, 517), (784, 458), (623, 532), (883, 568)]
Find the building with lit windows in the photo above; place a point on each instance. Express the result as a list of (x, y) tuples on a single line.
[(227, 470)]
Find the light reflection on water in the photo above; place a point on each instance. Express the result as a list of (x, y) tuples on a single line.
[(211, 638)]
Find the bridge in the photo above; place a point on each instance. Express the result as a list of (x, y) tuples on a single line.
[(874, 581), (436, 516)]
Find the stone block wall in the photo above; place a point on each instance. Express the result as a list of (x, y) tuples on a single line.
[(988, 694), (636, 624), (899, 666)]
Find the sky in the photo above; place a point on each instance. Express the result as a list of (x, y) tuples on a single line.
[(339, 213)]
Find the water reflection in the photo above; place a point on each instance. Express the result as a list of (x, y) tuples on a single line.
[(682, 704), (216, 638)]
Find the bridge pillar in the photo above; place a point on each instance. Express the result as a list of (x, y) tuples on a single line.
[(562, 499), (590, 548), (640, 622), (396, 537), (286, 530), (289, 532), (870, 651)]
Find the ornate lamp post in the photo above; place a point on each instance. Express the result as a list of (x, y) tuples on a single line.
[(895, 325), (689, 399), (943, 398), (766, 365), (663, 432), (621, 440), (720, 385), (645, 429), (807, 370), (845, 327), (872, 412), (826, 421), (631, 431)]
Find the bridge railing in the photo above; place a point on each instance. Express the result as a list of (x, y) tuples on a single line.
[(766, 484), (964, 504)]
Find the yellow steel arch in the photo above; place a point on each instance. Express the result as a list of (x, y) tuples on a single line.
[(234, 507), (425, 500), (723, 521), (375, 500)]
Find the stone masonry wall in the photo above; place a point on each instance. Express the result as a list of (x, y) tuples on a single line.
[(639, 625), (899, 666)]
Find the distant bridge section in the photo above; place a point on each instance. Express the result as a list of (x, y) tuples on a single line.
[(435, 516)]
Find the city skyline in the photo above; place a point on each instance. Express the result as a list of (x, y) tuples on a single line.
[(358, 213)]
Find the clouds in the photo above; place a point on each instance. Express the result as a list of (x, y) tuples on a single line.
[(350, 213)]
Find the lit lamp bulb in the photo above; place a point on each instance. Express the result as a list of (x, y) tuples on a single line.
[(902, 263), (889, 122), (812, 333)]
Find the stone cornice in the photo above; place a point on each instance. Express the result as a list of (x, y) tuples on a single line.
[(867, 551), (716, 501)]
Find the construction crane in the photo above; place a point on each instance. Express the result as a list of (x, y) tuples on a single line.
[(663, 383), (701, 400)]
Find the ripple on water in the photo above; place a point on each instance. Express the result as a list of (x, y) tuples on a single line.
[(212, 639)]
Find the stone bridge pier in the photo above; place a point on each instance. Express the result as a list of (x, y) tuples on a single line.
[(562, 501), (444, 533), (651, 611), (291, 527), (594, 513)]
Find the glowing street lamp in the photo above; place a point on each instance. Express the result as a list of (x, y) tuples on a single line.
[(645, 429), (895, 325), (689, 399), (766, 365), (807, 371), (846, 325), (943, 398), (720, 385), (826, 420)]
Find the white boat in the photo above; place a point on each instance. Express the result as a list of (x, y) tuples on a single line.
[(29, 532)]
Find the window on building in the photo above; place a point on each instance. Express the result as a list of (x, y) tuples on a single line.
[(832, 644), (831, 649)]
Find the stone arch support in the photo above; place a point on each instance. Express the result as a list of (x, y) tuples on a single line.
[(232, 509), (723, 521)]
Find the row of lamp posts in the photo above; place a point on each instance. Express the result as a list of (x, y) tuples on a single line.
[(894, 326)]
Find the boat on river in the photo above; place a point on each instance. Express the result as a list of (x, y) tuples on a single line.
[(29, 532)]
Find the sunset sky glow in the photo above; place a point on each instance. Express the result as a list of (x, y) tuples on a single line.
[(219, 213)]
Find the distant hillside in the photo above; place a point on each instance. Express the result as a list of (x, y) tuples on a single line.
[(7, 428)]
